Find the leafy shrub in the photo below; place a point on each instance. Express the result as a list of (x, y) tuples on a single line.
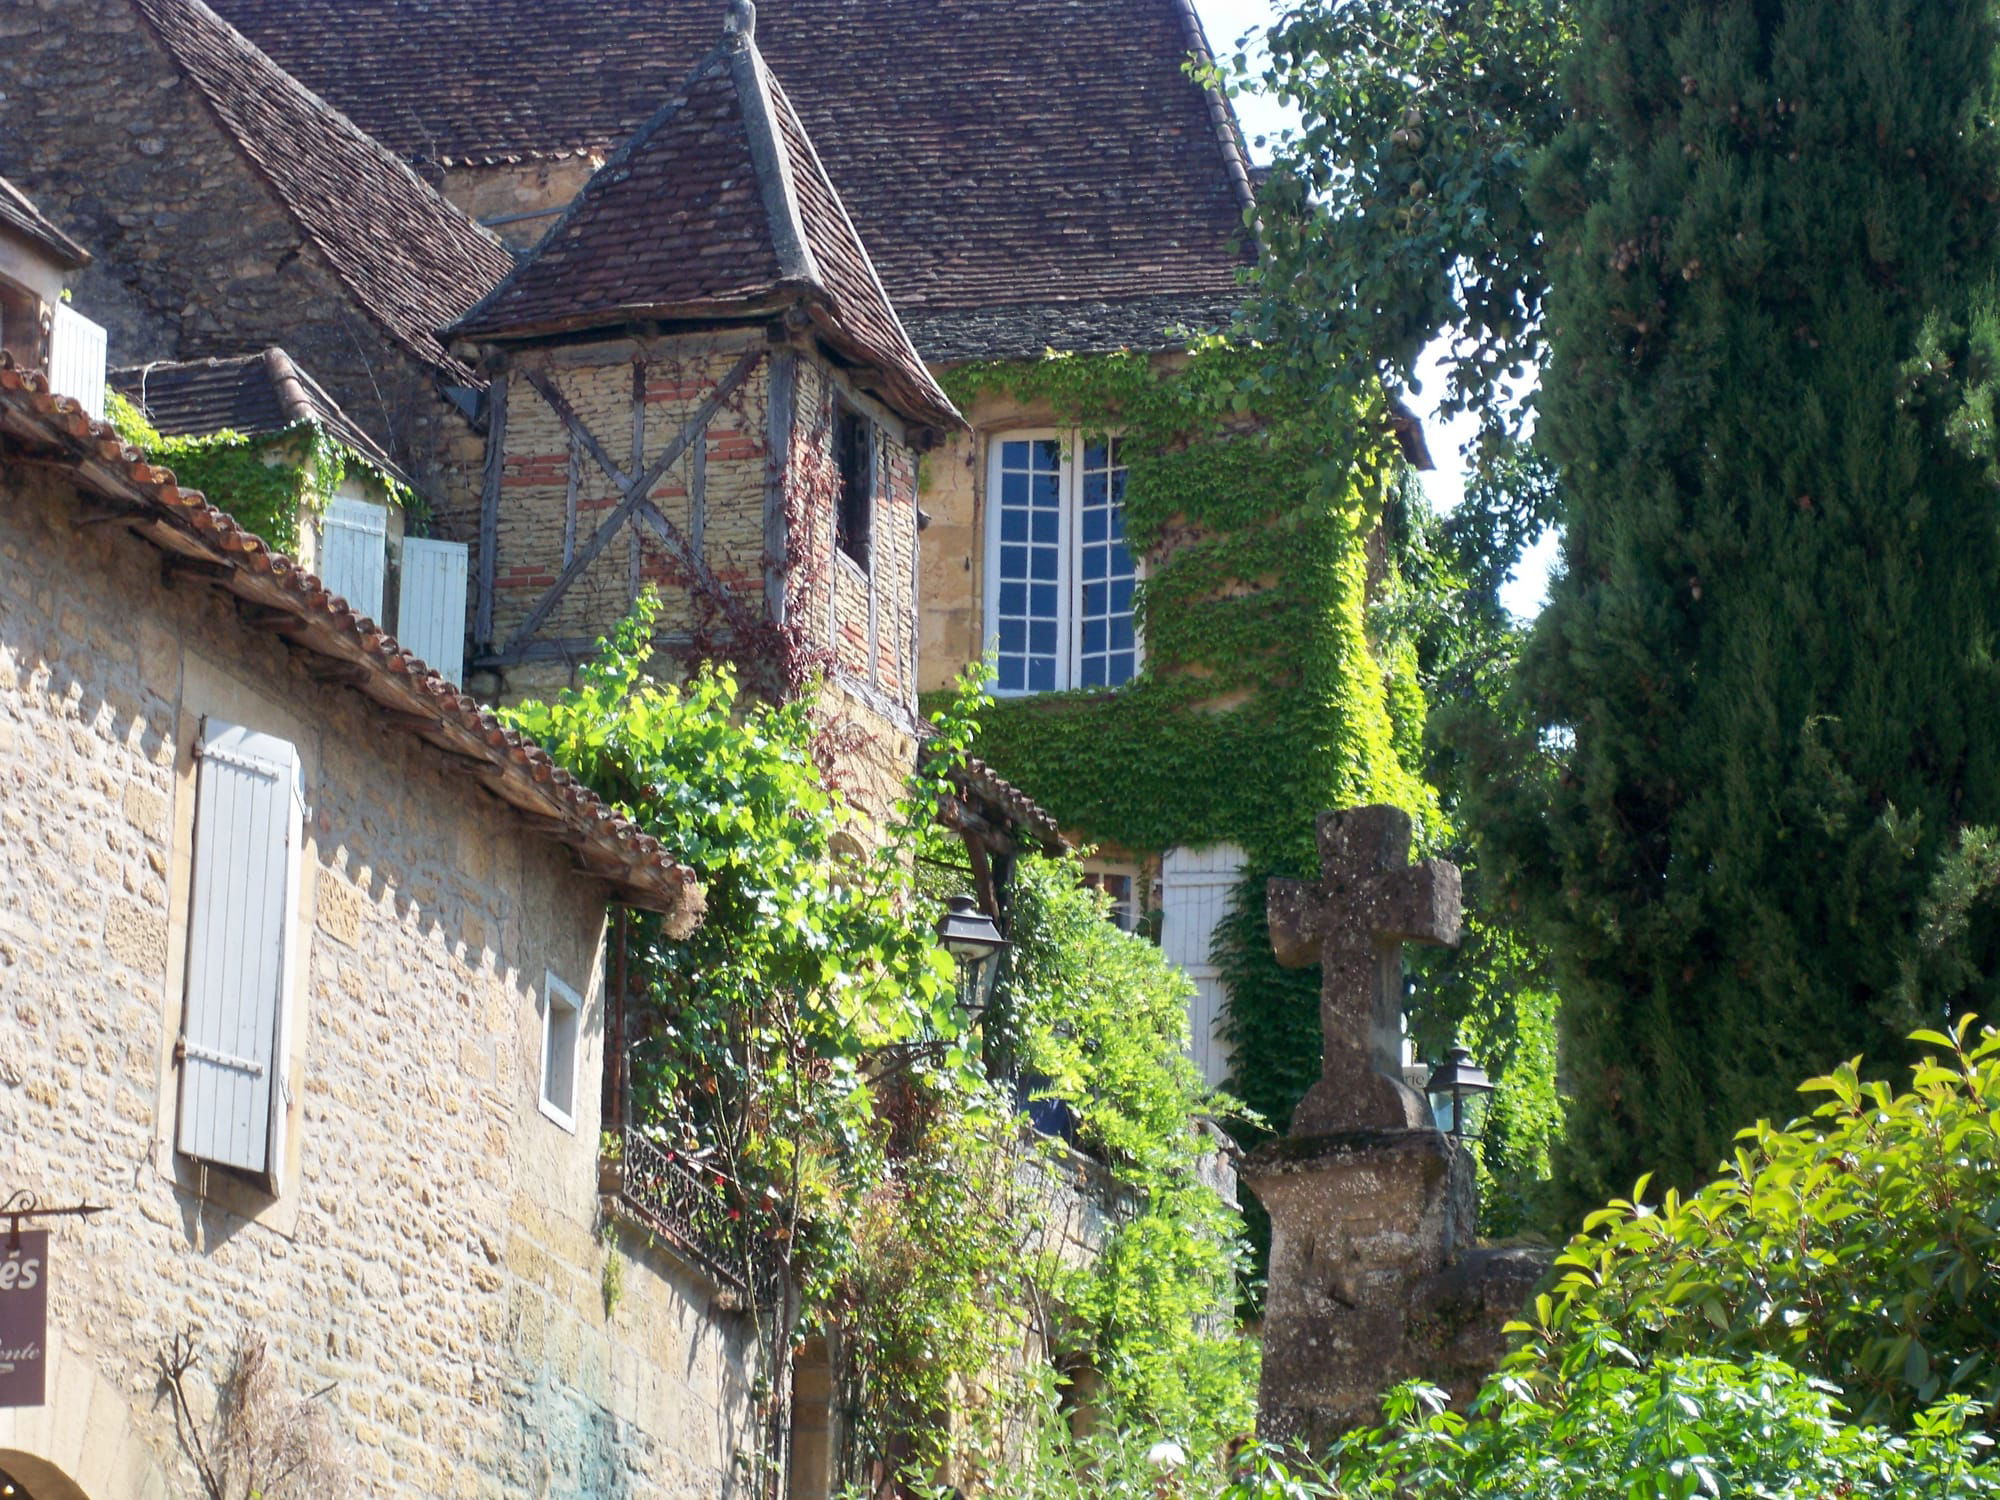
[(1683, 1427), (1862, 1245)]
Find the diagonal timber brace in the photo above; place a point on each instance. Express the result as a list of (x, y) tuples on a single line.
[(634, 499)]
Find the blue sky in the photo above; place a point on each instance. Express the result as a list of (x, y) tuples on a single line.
[(1225, 21)]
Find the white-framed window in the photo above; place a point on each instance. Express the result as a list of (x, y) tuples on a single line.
[(1059, 577), (243, 898), (562, 1025)]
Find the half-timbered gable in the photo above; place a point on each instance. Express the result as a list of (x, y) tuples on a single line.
[(697, 382)]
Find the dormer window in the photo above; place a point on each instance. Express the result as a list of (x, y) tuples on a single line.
[(854, 464), (1059, 578)]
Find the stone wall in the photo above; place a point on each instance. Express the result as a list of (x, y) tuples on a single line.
[(432, 1251), (501, 191)]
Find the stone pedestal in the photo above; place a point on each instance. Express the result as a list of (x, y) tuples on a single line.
[(1375, 1277)]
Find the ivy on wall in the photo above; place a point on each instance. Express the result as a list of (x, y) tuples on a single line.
[(266, 481), (1263, 698)]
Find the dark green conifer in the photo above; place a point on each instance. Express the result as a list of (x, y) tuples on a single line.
[(1765, 686)]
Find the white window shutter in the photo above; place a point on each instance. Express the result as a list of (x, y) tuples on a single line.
[(1195, 890), (76, 359), (430, 611), (247, 835), (354, 553)]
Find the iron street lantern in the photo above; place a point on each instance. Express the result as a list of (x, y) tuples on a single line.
[(1454, 1084), (972, 940)]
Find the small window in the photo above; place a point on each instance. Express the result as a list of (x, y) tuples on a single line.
[(561, 1022), (854, 458)]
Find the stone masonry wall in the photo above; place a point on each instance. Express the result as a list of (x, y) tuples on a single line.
[(501, 190), (432, 1253)]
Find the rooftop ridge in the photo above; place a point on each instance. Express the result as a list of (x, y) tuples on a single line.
[(717, 208)]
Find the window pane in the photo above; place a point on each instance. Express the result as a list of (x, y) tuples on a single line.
[(1105, 628), (1025, 623)]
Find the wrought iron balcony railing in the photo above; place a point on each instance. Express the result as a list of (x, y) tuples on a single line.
[(687, 1205)]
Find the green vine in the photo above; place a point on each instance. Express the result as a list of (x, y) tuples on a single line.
[(1263, 698), (266, 481)]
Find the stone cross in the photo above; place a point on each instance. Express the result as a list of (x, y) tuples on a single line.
[(1370, 900)]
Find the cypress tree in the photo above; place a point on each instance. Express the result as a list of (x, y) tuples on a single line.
[(1764, 690)]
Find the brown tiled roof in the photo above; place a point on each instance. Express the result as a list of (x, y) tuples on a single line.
[(275, 595), (995, 154), (411, 260), (998, 801), (18, 213), (250, 393), (717, 206)]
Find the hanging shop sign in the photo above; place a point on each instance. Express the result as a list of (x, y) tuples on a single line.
[(24, 1298), (24, 1318)]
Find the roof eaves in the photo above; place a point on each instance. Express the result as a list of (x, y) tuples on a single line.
[(772, 300), (32, 222), (297, 607), (978, 782)]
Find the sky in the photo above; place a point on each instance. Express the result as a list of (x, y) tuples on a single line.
[(1226, 21)]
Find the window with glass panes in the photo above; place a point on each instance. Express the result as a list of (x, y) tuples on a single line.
[(1059, 576)]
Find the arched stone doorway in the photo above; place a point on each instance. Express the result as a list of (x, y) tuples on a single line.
[(83, 1443)]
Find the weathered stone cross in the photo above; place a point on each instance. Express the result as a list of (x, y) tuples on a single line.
[(1370, 901)]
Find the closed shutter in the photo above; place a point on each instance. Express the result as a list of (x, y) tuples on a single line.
[(354, 553), (1196, 886), (430, 609), (76, 359), (248, 802)]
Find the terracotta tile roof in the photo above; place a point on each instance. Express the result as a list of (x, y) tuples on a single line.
[(411, 260), (999, 798), (994, 153), (21, 216), (717, 206), (275, 595), (250, 393)]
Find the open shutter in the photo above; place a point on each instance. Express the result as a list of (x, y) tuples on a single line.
[(1195, 891), (354, 553), (430, 611), (248, 802), (76, 359)]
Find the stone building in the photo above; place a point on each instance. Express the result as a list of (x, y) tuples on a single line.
[(303, 977), (629, 305), (1023, 177)]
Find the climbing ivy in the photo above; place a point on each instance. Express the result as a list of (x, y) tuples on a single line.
[(264, 480), (1263, 698)]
